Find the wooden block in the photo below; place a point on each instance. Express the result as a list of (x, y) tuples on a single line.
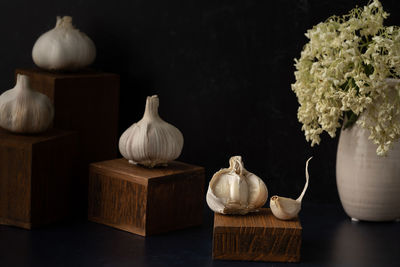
[(35, 177), (146, 201), (256, 237), (86, 102)]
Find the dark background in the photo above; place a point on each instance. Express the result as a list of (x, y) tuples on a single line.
[(222, 70)]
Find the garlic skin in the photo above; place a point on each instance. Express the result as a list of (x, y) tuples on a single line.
[(285, 208), (64, 48), (23, 110), (151, 141), (235, 190)]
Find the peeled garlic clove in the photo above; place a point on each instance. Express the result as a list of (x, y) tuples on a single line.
[(64, 48), (234, 190), (286, 208), (23, 110), (151, 141)]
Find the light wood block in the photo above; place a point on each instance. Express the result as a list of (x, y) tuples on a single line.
[(86, 102), (146, 201), (256, 237), (36, 173)]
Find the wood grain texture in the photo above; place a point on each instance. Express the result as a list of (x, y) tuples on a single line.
[(256, 237), (36, 173), (86, 102), (146, 201), (117, 203)]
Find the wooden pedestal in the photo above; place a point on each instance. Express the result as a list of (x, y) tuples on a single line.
[(86, 102), (83, 102), (256, 237), (146, 201), (35, 177)]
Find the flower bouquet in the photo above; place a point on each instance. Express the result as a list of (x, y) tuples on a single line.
[(347, 74)]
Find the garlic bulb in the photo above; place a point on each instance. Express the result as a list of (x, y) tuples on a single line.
[(286, 208), (63, 48), (23, 110), (235, 190), (151, 141)]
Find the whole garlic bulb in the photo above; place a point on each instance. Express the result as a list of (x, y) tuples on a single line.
[(286, 208), (235, 190), (63, 48), (151, 141), (23, 110)]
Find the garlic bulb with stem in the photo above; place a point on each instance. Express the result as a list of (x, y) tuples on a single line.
[(64, 48), (286, 208), (23, 110), (235, 190), (151, 141)]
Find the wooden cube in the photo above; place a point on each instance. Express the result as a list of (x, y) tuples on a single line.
[(36, 173), (146, 201), (86, 102), (256, 237)]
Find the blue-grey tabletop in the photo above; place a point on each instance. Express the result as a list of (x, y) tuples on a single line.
[(330, 238)]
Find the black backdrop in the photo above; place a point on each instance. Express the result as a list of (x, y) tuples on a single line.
[(222, 70)]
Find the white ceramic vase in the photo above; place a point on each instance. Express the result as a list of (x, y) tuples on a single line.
[(368, 184)]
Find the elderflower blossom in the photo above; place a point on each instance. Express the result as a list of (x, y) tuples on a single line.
[(342, 75)]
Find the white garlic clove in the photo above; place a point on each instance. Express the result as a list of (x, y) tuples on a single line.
[(151, 141), (285, 208), (23, 110), (258, 193), (234, 190), (64, 48)]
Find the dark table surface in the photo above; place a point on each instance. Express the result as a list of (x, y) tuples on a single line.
[(329, 239)]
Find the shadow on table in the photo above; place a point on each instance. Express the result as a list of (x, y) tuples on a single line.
[(336, 240)]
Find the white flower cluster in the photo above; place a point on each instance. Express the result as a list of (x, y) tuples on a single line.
[(343, 73)]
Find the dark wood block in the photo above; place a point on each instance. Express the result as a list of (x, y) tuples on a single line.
[(86, 102), (256, 237), (146, 201), (36, 173)]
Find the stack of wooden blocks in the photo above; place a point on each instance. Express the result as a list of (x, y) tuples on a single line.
[(45, 177)]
